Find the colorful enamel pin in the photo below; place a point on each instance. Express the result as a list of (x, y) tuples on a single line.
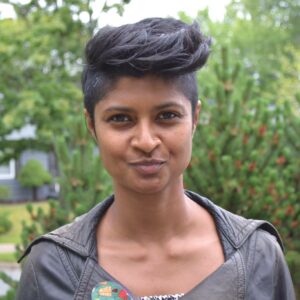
[(109, 290)]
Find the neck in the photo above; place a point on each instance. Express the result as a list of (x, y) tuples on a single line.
[(148, 217)]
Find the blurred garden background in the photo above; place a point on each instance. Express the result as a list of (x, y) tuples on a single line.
[(246, 155)]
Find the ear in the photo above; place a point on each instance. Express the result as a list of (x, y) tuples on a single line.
[(196, 115), (90, 124)]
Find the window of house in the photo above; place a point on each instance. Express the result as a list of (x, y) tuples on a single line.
[(8, 170)]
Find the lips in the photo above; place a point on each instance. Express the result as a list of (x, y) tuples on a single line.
[(147, 167)]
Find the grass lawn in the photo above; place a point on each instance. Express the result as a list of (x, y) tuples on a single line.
[(16, 213), (8, 257)]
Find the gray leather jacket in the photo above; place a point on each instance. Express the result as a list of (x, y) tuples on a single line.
[(63, 264)]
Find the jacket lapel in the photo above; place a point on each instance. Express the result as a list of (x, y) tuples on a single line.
[(91, 276), (226, 283)]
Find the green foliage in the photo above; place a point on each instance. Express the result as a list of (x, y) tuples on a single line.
[(33, 175), (293, 260), (83, 181), (4, 192), (11, 294), (5, 223), (263, 35), (17, 213), (265, 31), (241, 158), (40, 66), (8, 257), (42, 221), (246, 152)]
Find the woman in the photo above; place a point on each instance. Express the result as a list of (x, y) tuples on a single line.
[(152, 239)]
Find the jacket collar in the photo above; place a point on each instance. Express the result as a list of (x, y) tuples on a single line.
[(235, 228), (80, 235)]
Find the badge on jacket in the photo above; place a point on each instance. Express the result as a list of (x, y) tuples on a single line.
[(109, 290)]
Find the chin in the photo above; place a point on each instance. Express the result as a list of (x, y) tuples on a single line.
[(148, 190)]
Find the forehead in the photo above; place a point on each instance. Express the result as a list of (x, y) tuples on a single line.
[(147, 89)]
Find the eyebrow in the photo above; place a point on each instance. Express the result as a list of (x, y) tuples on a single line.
[(128, 109), (169, 104), (119, 108)]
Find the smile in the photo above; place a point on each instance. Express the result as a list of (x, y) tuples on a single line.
[(147, 167)]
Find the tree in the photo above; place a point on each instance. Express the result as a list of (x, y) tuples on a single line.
[(246, 152), (273, 13), (264, 36), (83, 181), (40, 67), (33, 175), (267, 36), (4, 192)]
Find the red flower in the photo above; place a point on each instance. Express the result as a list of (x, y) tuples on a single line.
[(272, 190), (252, 191), (252, 166), (211, 155), (262, 130), (281, 160), (245, 139), (290, 210), (238, 164), (276, 139)]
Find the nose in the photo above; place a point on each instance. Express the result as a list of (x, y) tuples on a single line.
[(145, 138)]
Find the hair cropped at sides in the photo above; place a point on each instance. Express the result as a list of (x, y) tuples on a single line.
[(163, 47)]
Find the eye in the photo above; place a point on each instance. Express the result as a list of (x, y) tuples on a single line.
[(119, 118), (167, 115)]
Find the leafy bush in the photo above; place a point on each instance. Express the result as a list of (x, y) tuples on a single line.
[(242, 158), (83, 181), (5, 223), (11, 294), (293, 260), (33, 175), (4, 192)]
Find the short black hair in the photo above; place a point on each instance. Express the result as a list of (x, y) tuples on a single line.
[(162, 47)]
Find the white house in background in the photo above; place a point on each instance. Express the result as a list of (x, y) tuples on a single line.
[(9, 171)]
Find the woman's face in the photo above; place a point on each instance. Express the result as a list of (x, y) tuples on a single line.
[(144, 129)]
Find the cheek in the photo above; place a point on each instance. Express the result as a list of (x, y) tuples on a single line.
[(111, 148), (181, 145)]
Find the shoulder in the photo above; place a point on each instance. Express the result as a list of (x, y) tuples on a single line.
[(268, 273), (53, 262), (235, 228), (77, 236), (46, 274), (44, 260), (262, 248), (267, 241)]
